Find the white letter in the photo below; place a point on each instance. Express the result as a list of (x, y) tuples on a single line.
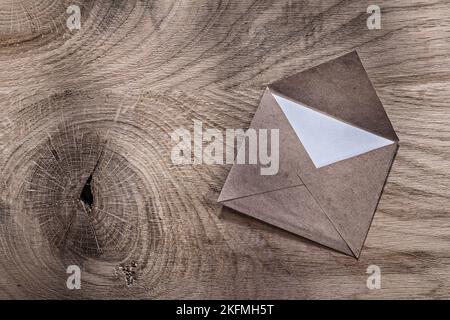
[(242, 146), (74, 21), (198, 141), (374, 20), (215, 147), (229, 146), (74, 280), (181, 153), (264, 158), (374, 280)]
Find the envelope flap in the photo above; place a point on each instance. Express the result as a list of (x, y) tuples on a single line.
[(246, 179), (342, 89)]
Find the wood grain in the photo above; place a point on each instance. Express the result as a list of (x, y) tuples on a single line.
[(104, 99)]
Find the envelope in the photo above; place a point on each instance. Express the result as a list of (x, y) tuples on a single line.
[(336, 147)]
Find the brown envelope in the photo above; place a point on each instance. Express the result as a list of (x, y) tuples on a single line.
[(336, 148)]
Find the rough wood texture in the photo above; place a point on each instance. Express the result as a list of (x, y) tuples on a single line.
[(103, 100)]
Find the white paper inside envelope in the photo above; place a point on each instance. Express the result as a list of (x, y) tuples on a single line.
[(326, 139)]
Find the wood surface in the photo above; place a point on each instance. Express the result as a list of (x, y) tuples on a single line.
[(104, 99)]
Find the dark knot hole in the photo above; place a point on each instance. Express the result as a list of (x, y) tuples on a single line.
[(86, 194)]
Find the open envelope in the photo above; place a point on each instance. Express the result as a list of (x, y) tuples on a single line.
[(335, 152)]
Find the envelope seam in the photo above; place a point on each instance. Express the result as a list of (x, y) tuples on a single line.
[(264, 192), (329, 219)]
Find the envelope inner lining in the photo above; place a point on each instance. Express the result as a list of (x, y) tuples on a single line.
[(326, 139)]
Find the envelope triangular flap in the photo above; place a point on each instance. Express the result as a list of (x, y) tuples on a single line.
[(246, 179), (340, 88), (295, 210)]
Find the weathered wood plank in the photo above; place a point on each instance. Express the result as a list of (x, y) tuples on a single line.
[(110, 94)]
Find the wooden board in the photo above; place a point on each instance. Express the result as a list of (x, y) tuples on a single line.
[(104, 99)]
